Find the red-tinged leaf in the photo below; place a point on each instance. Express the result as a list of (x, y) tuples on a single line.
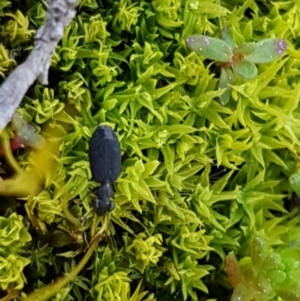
[(27, 132), (211, 48), (233, 270)]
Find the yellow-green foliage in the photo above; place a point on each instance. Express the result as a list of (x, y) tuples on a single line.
[(13, 236), (198, 179)]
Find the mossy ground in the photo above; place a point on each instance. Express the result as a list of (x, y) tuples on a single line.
[(198, 179)]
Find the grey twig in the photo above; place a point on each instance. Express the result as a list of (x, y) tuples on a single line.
[(59, 14)]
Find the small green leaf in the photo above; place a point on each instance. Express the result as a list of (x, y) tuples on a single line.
[(210, 48), (227, 37), (169, 155), (294, 181), (258, 251), (226, 78), (277, 276), (245, 49), (266, 51), (206, 7), (150, 168), (28, 134), (245, 69)]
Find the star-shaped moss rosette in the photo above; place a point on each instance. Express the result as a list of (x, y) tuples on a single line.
[(241, 59)]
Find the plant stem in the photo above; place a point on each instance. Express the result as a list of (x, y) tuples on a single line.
[(12, 295), (38, 225), (8, 153), (67, 213), (52, 289), (15, 144), (86, 117)]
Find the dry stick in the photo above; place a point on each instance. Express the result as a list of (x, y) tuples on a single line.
[(59, 14), (13, 294)]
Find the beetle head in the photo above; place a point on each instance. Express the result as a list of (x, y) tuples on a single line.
[(102, 206)]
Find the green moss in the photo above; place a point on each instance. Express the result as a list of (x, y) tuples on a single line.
[(13, 237), (199, 180)]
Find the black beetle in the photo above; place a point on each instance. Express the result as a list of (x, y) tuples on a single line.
[(105, 161)]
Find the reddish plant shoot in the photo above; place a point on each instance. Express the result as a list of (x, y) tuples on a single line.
[(241, 59), (25, 135), (233, 270), (266, 273)]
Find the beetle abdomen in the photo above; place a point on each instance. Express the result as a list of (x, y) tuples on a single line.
[(105, 155)]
